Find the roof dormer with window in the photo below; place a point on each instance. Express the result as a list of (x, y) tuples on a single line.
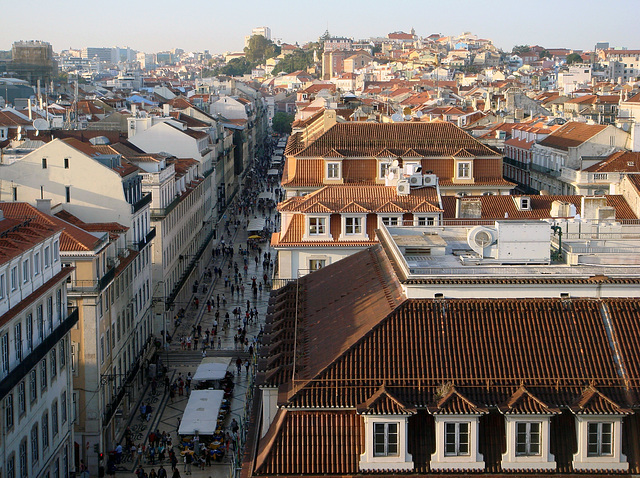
[(527, 421), (456, 421)]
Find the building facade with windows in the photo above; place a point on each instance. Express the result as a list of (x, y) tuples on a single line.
[(454, 350), (35, 370)]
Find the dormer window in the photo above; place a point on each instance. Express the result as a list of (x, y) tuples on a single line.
[(333, 171), (464, 170), (317, 228)]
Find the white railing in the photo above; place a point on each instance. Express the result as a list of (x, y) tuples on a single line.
[(159, 177), (584, 177)]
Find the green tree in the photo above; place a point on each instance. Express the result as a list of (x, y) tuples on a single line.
[(544, 54), (281, 122), (235, 67), (260, 49), (520, 49), (574, 58), (298, 60)]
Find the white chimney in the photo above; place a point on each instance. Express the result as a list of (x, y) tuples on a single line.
[(166, 108)]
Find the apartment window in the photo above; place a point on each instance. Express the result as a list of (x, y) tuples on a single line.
[(66, 163), (63, 407), (425, 221), (527, 438), (23, 458), (56, 251), (14, 278), (11, 466), (74, 406), (43, 374), (26, 271), (54, 418), (353, 225), (8, 411), (456, 438), (47, 257), (464, 170), (315, 264), (14, 193), (4, 345), (102, 349), (384, 169), (45, 431), (34, 444), (385, 439), (74, 357), (600, 439), (44, 163), (17, 335), (333, 170), (390, 220), (63, 353), (2, 286), (36, 263), (50, 312), (54, 363), (317, 226), (59, 305), (33, 386), (22, 399), (30, 332), (40, 322), (67, 193)]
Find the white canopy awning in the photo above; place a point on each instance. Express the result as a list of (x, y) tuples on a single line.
[(256, 224), (272, 172), (212, 368), (265, 194), (201, 414)]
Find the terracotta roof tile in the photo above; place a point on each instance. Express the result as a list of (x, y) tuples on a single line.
[(571, 134), (383, 402), (454, 403), (593, 402), (522, 402), (620, 161)]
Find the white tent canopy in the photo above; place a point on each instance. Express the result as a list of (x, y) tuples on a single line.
[(212, 368), (272, 172), (256, 224), (201, 414), (265, 195)]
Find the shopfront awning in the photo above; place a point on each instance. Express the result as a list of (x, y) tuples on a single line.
[(256, 225)]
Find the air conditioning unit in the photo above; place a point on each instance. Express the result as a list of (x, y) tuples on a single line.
[(429, 180), (403, 188), (415, 180)]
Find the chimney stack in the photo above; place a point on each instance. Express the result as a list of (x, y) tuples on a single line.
[(44, 206)]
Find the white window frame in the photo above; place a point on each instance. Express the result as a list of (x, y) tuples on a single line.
[(316, 263), (370, 461), (456, 430), (513, 460), (14, 278), (424, 220), (441, 461), (333, 170), (315, 228), (2, 286), (599, 432), (389, 220), (583, 460), (26, 271), (528, 430), (36, 264), (352, 235), (469, 170), (383, 167), (388, 431)]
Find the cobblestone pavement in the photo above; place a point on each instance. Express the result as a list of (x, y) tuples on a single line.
[(167, 412)]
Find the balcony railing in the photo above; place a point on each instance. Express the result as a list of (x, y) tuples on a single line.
[(138, 246), (30, 361), (146, 199), (92, 286), (541, 169)]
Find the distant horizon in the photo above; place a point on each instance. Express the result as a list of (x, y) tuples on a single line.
[(202, 25)]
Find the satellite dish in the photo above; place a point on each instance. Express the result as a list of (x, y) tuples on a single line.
[(397, 118), (394, 163), (407, 111), (41, 124), (390, 175), (419, 114), (19, 136)]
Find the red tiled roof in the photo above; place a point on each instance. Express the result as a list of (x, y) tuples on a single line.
[(620, 161), (593, 402), (495, 207), (19, 233), (73, 239), (384, 402), (571, 134), (522, 402), (454, 403), (357, 139)]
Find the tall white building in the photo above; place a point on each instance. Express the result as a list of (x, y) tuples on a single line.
[(262, 31), (36, 424)]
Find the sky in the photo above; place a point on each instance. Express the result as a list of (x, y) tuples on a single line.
[(220, 25)]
